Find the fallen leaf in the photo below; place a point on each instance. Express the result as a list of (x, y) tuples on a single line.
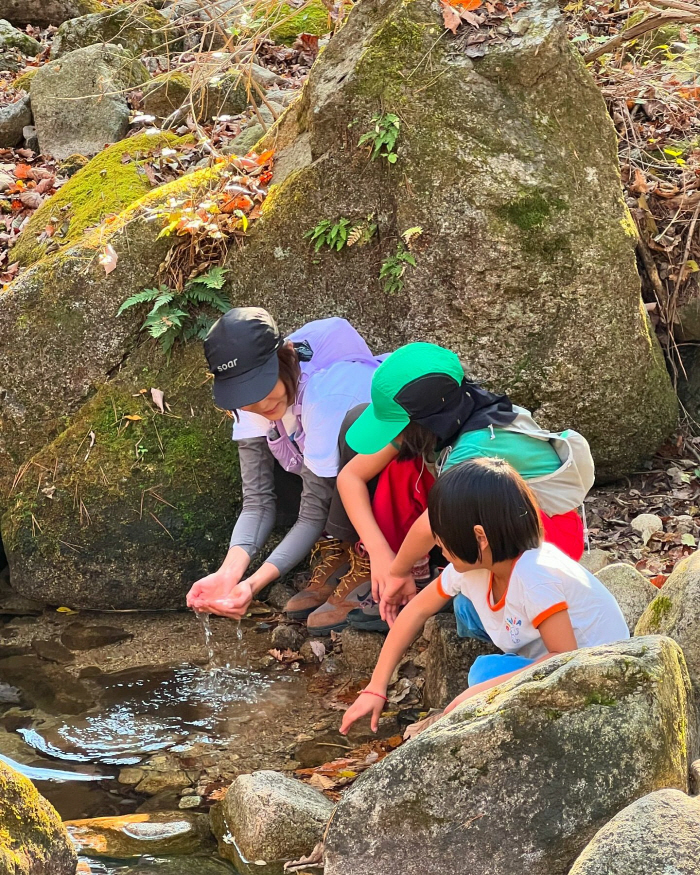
[(31, 199), (133, 417), (158, 399), (319, 650), (24, 171), (108, 259), (451, 17), (314, 860)]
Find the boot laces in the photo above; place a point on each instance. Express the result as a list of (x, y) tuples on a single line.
[(325, 554), (359, 573)]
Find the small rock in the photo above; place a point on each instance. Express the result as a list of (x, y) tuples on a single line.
[(594, 560), (72, 164), (14, 117), (283, 98), (266, 112), (52, 651), (631, 589), (190, 802), (80, 637), (361, 649), (288, 637), (31, 141), (279, 595), (131, 776), (265, 77), (241, 145), (646, 524), (156, 781), (155, 834), (271, 817), (684, 524)]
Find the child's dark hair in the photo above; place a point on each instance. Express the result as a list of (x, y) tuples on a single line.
[(289, 370), (487, 493), (417, 441)]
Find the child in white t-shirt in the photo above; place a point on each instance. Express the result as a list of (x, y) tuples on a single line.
[(528, 598)]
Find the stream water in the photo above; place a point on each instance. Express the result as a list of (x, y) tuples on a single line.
[(195, 715)]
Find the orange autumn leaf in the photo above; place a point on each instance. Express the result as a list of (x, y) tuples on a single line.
[(239, 202), (467, 4), (23, 171), (265, 157)]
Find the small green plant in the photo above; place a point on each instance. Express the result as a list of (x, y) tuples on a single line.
[(394, 266), (181, 315), (342, 233), (383, 136)]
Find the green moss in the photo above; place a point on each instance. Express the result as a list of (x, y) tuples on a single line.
[(166, 93), (530, 211), (658, 610), (24, 81), (107, 184), (598, 698), (311, 18)]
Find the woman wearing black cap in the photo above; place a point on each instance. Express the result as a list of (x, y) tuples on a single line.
[(289, 398)]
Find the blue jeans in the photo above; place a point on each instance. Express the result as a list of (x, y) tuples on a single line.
[(485, 668)]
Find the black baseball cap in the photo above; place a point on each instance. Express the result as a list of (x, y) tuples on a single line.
[(241, 348)]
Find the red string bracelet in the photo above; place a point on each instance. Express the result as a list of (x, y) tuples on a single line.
[(372, 693)]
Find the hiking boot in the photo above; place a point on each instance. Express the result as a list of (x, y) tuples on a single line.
[(352, 589), (330, 560), (367, 618)]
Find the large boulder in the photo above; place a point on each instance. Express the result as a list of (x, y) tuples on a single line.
[(676, 612), (266, 819), (113, 180), (656, 835), (45, 12), (632, 590), (526, 773), (59, 337), (79, 101), (12, 38), (139, 29), (33, 841), (508, 163), (134, 505)]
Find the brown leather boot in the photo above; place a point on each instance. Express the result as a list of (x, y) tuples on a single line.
[(352, 589), (330, 559)]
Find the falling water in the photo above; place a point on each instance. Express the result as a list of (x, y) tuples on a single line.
[(213, 663)]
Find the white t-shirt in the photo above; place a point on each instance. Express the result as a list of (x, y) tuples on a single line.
[(543, 582), (328, 395)]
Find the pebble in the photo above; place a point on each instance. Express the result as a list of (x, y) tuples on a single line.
[(190, 802)]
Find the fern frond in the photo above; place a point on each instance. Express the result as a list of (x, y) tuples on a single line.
[(212, 279), (143, 297)]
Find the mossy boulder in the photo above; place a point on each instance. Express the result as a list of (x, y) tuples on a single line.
[(59, 337), (526, 261), (656, 835), (312, 18), (43, 13), (224, 93), (33, 841), (137, 504), (12, 38), (676, 612), (138, 29), (105, 186), (632, 591), (166, 93), (525, 774), (79, 101)]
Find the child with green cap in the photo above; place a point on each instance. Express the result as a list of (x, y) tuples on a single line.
[(422, 404)]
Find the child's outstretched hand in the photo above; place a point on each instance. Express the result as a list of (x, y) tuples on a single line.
[(365, 704)]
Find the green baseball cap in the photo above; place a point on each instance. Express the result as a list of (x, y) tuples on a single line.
[(412, 384)]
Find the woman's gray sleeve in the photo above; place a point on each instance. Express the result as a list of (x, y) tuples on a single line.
[(316, 497), (259, 509)]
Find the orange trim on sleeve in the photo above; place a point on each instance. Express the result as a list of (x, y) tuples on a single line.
[(546, 614), (440, 590)]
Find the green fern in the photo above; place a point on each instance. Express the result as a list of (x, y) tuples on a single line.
[(184, 315)]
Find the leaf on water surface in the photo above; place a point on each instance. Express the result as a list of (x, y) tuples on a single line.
[(108, 259)]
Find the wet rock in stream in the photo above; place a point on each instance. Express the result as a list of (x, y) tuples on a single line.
[(78, 636), (159, 833), (49, 687), (52, 651)]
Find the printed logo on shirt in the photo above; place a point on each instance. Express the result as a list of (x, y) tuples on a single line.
[(514, 627)]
